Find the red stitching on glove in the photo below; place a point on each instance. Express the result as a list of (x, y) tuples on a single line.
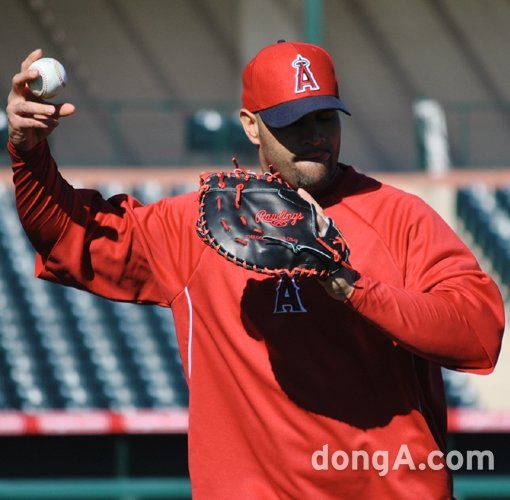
[(221, 182), (340, 241), (225, 225), (239, 188), (333, 251)]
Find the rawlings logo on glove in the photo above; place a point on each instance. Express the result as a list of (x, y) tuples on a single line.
[(278, 220), (259, 222)]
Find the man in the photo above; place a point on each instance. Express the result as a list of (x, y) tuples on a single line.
[(298, 389)]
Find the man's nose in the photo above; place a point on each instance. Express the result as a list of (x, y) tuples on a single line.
[(313, 134), (314, 138)]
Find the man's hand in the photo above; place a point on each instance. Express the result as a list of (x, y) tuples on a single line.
[(31, 120), (341, 284)]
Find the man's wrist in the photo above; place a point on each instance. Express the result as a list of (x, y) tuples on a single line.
[(342, 284), (18, 152)]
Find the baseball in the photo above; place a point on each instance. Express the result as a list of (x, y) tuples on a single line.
[(51, 80)]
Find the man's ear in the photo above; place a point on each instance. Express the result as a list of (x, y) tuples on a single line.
[(250, 125)]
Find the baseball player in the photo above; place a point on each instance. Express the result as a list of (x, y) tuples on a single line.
[(298, 388)]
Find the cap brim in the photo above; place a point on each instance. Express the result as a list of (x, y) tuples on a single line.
[(289, 112)]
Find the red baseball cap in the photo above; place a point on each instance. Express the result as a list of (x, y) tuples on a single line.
[(287, 80)]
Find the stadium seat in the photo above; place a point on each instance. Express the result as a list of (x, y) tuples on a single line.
[(484, 214), (503, 198), (64, 348)]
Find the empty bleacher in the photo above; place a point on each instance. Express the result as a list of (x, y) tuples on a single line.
[(485, 216), (62, 348), (147, 67)]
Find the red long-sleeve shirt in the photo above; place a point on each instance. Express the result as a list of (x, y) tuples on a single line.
[(287, 384)]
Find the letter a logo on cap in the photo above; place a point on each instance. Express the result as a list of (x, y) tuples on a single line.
[(304, 76)]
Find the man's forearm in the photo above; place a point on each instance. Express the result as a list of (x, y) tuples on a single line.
[(459, 327), (43, 197)]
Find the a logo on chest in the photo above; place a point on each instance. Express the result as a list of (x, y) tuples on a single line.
[(288, 298)]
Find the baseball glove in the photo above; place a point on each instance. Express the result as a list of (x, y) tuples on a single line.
[(259, 222)]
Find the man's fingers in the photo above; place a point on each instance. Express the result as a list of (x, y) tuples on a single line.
[(22, 123), (25, 115), (31, 108), (310, 199), (33, 56), (40, 110), (64, 109), (20, 80), (322, 218)]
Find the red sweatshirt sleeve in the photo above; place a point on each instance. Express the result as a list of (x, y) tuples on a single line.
[(42, 200), (448, 310), (107, 247)]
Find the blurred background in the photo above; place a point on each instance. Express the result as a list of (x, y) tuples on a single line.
[(93, 403), (140, 72)]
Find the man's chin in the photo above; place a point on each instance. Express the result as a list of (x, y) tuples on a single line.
[(313, 167), (315, 183), (314, 176)]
